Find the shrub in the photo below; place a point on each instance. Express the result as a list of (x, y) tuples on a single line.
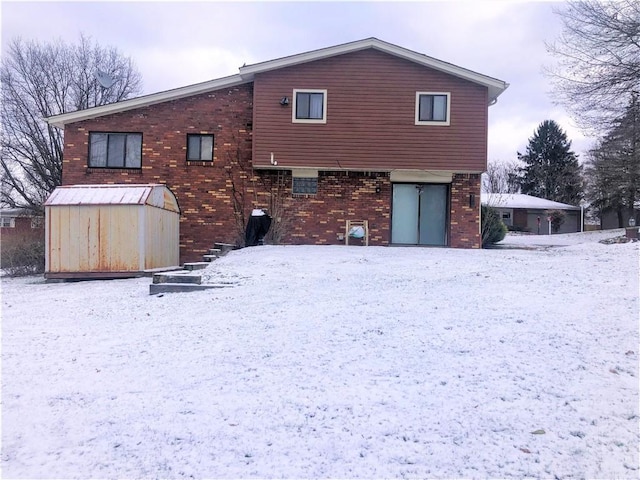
[(557, 219), (493, 228), (23, 258)]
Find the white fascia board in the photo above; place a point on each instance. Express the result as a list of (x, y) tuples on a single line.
[(61, 120), (495, 86)]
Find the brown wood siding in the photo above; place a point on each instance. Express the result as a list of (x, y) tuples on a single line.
[(370, 117)]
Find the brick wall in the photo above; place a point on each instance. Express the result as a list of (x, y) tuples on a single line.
[(465, 218), (520, 218), (205, 190), (22, 231), (320, 219)]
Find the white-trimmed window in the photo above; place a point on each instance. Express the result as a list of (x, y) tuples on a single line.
[(7, 222), (200, 147), (433, 108), (115, 150), (309, 106)]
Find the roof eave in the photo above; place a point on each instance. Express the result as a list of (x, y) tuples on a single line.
[(61, 120), (247, 73), (495, 86)]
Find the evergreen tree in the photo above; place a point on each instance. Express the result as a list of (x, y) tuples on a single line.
[(551, 170), (613, 170)]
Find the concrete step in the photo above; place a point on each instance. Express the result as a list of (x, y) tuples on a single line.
[(156, 288), (209, 258), (179, 277), (225, 247), (216, 251), (195, 266)]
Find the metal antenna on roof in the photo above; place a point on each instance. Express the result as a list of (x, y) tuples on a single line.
[(104, 79)]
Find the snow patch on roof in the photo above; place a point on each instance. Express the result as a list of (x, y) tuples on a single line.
[(520, 200)]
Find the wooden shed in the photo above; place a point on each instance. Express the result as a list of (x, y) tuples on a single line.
[(110, 231)]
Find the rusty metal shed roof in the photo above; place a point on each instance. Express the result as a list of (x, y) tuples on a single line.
[(156, 195)]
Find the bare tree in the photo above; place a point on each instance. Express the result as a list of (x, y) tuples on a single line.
[(501, 177), (599, 59), (40, 80), (249, 191)]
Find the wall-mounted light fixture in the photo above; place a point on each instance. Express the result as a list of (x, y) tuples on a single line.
[(472, 200), (284, 101)]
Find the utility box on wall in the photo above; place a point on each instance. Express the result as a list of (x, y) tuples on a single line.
[(110, 231)]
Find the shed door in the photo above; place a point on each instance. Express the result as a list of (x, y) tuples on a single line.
[(419, 214)]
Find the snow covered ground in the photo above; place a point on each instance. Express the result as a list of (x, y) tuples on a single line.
[(332, 362), (528, 240)]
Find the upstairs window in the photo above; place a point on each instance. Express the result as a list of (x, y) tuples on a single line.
[(432, 108), (115, 150), (309, 106), (200, 148)]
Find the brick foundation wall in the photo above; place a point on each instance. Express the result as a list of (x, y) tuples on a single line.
[(465, 219), (321, 219)]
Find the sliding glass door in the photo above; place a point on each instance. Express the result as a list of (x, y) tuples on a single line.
[(419, 214)]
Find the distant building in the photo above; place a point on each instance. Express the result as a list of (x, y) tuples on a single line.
[(530, 214), (19, 223)]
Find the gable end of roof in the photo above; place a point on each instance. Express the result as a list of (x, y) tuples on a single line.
[(247, 73)]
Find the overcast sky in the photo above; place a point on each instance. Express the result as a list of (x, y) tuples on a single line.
[(178, 43)]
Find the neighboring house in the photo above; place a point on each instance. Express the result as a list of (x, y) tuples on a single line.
[(530, 214), (17, 224), (364, 131), (612, 218)]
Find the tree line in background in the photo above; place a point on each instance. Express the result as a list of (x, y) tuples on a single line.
[(598, 80)]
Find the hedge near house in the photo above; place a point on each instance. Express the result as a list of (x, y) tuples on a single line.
[(493, 228)]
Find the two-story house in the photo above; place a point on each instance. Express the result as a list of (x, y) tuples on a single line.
[(361, 131)]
